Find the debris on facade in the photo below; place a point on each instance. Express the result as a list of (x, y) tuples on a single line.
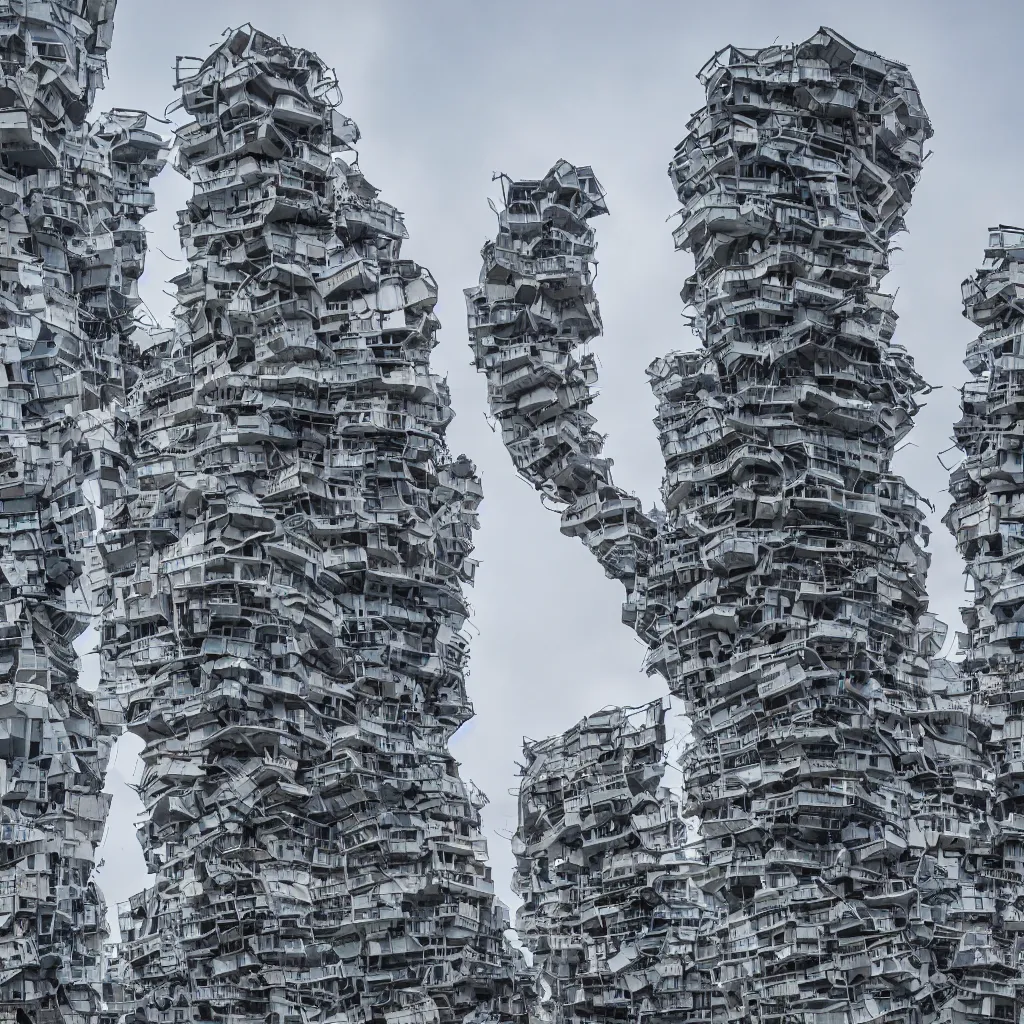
[(617, 929), (986, 518), (71, 250), (289, 570), (835, 765)]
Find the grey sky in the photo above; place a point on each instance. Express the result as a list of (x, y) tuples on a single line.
[(448, 91)]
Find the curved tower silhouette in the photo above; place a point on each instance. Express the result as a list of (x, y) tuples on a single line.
[(836, 772)]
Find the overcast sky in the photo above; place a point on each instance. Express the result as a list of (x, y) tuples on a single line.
[(447, 92)]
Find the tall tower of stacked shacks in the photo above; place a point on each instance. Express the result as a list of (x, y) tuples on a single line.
[(986, 518), (610, 912), (835, 769), (616, 927), (289, 584), (71, 249)]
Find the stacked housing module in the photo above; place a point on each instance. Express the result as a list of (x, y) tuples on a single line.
[(71, 250), (289, 571), (836, 766)]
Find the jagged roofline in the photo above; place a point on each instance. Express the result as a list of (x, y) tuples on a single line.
[(991, 251), (626, 711), (566, 175), (244, 41), (239, 43), (823, 37)]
